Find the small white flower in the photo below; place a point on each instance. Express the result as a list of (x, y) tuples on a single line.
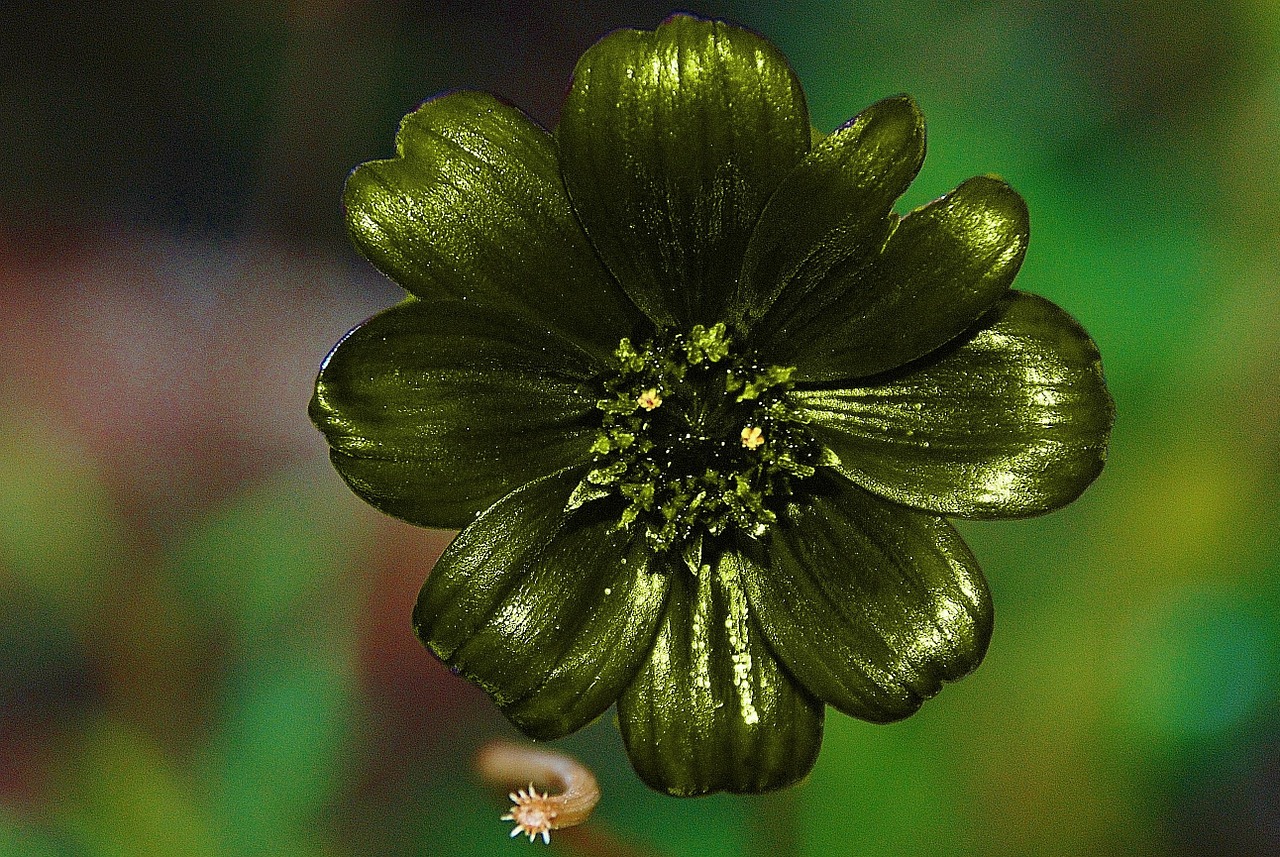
[(533, 813)]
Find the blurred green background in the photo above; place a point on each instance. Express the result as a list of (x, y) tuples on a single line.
[(204, 638)]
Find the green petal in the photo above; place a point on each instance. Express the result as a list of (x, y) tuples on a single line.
[(945, 265), (672, 142), (1013, 420), (473, 206), (550, 612), (436, 409), (870, 605), (711, 709), (832, 212)]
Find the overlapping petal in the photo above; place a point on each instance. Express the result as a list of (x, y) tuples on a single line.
[(473, 206), (711, 709), (435, 409), (831, 215), (671, 144), (869, 604), (1013, 420), (943, 267), (549, 611)]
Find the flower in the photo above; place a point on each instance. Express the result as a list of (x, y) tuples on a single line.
[(698, 401), (532, 814)]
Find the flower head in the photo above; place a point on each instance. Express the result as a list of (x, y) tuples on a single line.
[(698, 401), (533, 814)]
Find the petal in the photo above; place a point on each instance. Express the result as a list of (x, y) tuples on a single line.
[(711, 709), (672, 142), (551, 612), (436, 409), (833, 211), (1011, 421), (945, 265), (473, 206), (870, 605)]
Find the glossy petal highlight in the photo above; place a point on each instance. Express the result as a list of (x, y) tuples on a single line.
[(1011, 421), (671, 143), (549, 613), (830, 217), (431, 409), (872, 606), (945, 265), (711, 709), (473, 207)]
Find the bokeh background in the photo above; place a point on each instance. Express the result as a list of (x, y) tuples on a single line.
[(204, 638)]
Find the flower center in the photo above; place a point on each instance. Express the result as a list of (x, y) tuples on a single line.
[(696, 439)]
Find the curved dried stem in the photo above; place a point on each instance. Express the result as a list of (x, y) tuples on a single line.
[(570, 791)]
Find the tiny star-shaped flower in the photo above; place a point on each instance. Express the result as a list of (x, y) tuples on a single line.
[(650, 399), (533, 814), (752, 437)]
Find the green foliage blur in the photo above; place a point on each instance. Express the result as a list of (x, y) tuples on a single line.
[(204, 638)]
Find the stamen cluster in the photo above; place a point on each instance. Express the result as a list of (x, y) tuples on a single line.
[(696, 440)]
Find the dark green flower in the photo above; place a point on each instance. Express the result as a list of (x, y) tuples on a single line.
[(698, 400)]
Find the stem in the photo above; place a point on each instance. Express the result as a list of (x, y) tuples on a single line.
[(503, 764), (506, 765)]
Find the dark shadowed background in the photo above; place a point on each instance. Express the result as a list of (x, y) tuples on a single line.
[(204, 637)]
